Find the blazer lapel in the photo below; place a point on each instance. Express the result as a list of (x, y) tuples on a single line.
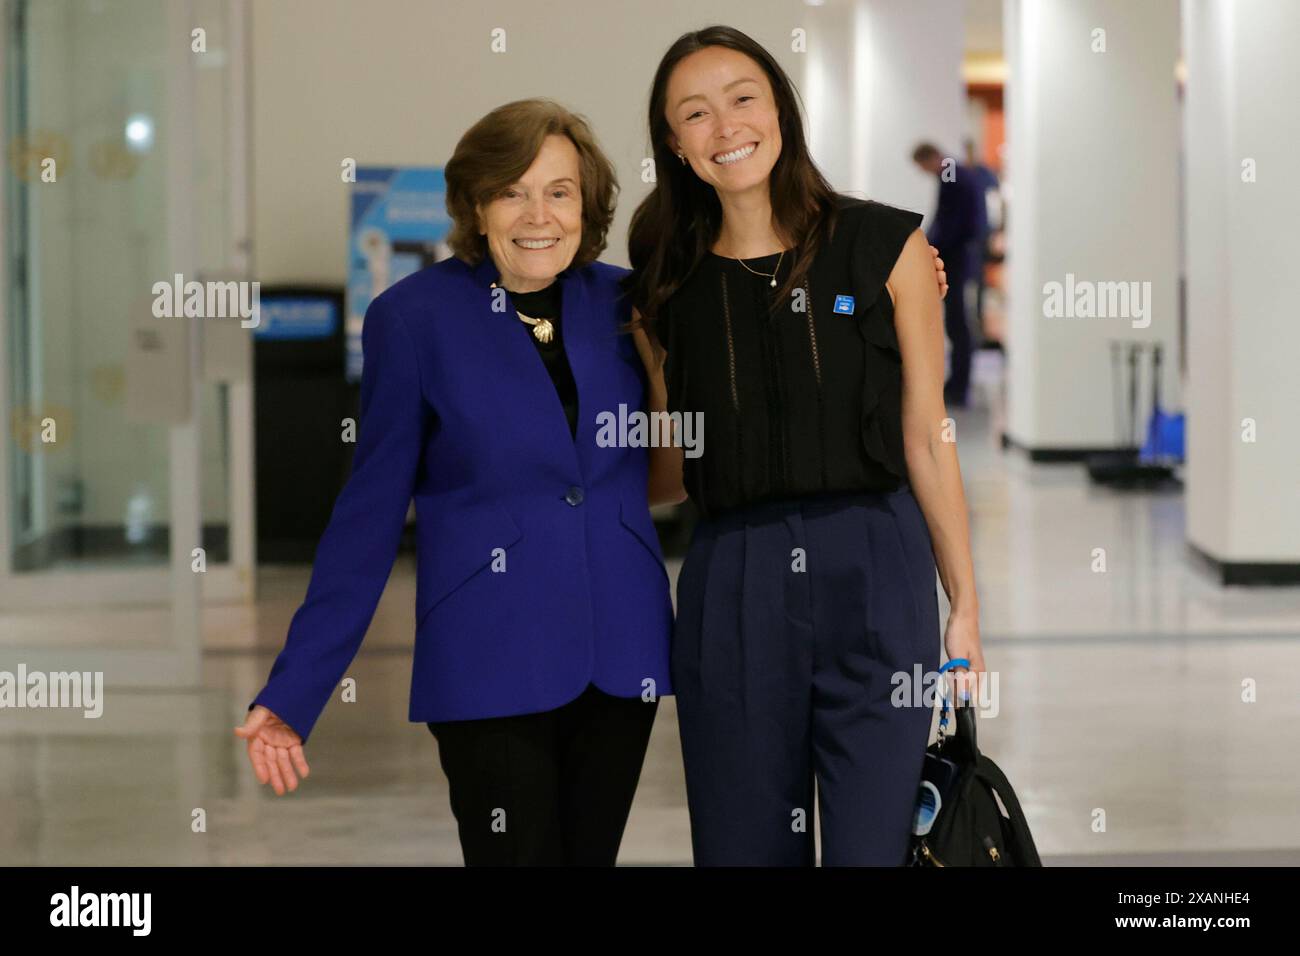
[(540, 399)]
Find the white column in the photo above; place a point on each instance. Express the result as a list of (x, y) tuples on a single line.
[(185, 506), (826, 86), (1092, 137), (1241, 136)]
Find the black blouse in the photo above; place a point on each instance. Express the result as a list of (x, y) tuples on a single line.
[(802, 400), (546, 304)]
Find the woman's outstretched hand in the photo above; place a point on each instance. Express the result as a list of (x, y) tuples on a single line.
[(274, 749)]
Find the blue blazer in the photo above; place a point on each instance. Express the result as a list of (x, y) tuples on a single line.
[(538, 567)]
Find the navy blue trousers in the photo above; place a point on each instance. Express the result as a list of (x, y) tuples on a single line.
[(793, 619)]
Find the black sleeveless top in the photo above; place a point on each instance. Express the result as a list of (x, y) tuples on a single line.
[(803, 400)]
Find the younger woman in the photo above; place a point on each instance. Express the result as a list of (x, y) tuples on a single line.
[(806, 327)]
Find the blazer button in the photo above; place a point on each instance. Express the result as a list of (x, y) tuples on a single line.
[(574, 496)]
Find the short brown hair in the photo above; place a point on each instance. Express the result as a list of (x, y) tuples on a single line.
[(500, 147)]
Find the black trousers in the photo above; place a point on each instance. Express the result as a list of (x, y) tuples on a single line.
[(547, 789)]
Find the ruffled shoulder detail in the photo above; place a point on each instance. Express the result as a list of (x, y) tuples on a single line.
[(878, 233)]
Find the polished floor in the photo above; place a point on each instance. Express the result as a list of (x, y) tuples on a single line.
[(1122, 721)]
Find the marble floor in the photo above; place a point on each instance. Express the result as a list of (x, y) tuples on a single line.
[(1121, 699)]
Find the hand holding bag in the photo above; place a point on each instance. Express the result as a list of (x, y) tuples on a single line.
[(967, 814)]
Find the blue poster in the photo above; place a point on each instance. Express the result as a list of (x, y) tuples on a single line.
[(399, 226)]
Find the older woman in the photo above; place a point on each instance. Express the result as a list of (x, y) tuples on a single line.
[(543, 611)]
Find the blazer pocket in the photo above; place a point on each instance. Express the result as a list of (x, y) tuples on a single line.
[(641, 525), (457, 546)]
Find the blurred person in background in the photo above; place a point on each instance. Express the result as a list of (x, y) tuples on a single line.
[(987, 181), (958, 230)]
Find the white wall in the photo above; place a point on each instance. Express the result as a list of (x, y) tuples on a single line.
[(1243, 498), (1092, 162), (834, 106), (398, 81), (1208, 157)]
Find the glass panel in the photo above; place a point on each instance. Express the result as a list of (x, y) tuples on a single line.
[(87, 85), (212, 203)]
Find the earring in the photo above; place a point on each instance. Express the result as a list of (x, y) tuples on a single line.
[(682, 157)]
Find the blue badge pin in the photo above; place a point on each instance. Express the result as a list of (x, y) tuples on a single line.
[(844, 304)]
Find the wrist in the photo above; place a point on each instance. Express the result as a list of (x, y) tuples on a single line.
[(964, 611)]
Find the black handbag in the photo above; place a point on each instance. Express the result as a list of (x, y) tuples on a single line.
[(967, 814)]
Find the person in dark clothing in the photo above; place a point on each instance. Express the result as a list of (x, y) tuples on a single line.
[(959, 227), (987, 180)]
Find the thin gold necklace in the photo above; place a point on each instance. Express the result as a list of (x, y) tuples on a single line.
[(766, 275)]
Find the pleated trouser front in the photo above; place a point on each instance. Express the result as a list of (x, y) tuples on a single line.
[(793, 619)]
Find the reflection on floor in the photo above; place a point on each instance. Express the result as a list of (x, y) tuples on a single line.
[(1121, 692)]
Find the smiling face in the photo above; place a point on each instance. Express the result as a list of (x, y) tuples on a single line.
[(723, 117), (534, 226)]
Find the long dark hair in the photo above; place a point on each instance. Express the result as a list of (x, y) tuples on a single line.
[(673, 228)]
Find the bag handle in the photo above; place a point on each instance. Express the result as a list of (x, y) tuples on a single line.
[(965, 714)]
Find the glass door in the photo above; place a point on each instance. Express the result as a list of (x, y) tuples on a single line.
[(124, 453)]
